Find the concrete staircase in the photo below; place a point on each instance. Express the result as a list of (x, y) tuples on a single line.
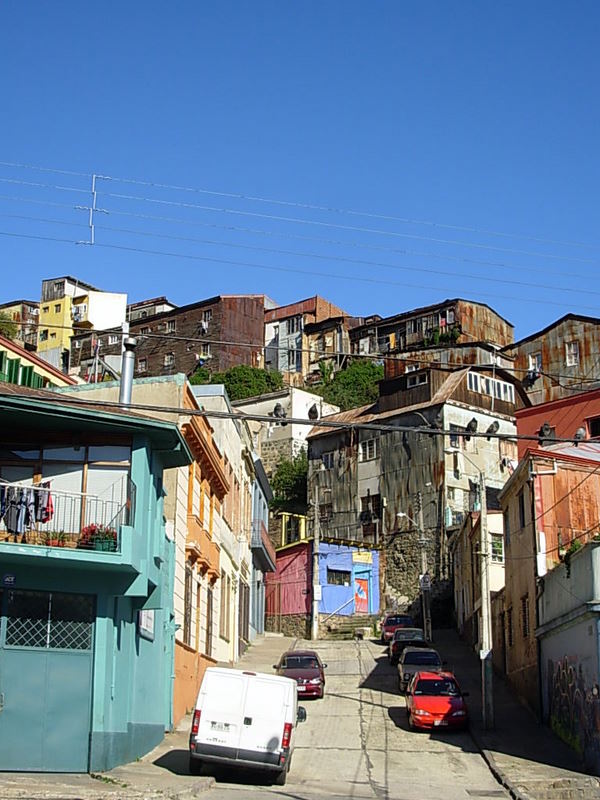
[(350, 627)]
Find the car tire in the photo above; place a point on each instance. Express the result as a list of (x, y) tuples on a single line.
[(195, 766)]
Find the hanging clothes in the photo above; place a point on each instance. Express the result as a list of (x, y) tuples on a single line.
[(11, 515), (44, 506)]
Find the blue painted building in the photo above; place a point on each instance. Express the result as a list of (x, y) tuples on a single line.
[(349, 579), (86, 619)]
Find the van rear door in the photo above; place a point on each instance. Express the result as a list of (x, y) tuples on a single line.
[(222, 699), (265, 712)]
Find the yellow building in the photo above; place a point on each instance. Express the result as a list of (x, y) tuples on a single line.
[(68, 303), (25, 368)]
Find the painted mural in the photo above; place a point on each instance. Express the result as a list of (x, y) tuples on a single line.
[(574, 708)]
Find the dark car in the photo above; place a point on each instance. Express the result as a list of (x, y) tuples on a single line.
[(434, 700), (391, 623), (417, 659), (405, 637), (306, 668)]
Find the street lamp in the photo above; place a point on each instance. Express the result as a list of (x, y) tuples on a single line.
[(424, 582), (485, 654)]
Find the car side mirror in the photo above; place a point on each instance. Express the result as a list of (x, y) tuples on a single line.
[(301, 717), (324, 666)]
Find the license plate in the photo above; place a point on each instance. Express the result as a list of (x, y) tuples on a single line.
[(301, 688), (439, 722), (219, 726)]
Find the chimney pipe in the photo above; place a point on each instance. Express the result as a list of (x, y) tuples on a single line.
[(127, 365)]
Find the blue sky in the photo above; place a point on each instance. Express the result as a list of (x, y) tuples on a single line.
[(480, 116)]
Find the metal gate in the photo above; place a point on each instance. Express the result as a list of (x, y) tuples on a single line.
[(46, 649)]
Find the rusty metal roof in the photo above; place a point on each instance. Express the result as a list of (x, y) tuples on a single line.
[(538, 334)]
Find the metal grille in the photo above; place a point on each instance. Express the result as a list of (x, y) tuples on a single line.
[(49, 620)]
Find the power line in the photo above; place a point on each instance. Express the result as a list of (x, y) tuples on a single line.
[(305, 205)]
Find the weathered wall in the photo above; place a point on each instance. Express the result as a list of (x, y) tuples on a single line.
[(190, 667)]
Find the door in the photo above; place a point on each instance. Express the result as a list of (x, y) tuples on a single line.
[(46, 649), (264, 715), (361, 595), (221, 702)]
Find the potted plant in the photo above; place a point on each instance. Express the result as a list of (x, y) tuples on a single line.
[(55, 538), (98, 537)]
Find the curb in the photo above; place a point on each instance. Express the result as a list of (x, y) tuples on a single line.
[(498, 774), (204, 785)]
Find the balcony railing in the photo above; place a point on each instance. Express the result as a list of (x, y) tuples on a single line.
[(72, 519), (260, 541)]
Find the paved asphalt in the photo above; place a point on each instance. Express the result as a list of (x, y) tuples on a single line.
[(354, 744)]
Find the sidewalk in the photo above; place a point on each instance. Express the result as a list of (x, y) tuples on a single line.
[(160, 775), (526, 757)]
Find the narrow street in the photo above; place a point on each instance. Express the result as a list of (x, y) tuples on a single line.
[(356, 743)]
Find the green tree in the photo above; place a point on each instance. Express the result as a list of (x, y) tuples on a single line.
[(242, 381), (357, 385), (8, 327), (289, 484)]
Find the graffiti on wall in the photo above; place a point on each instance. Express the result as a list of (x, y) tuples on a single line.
[(574, 708)]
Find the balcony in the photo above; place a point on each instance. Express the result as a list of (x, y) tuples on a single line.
[(200, 547), (262, 547)]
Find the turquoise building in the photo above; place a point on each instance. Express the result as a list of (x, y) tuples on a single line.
[(86, 582)]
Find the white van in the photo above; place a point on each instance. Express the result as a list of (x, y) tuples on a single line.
[(245, 719)]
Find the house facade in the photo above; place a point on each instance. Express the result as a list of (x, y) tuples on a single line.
[(391, 488), (551, 506), (86, 617), (447, 323), (286, 343), (25, 368), (560, 360), (68, 303), (218, 333), (263, 552), (25, 314)]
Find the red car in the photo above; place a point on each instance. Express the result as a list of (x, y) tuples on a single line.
[(306, 668), (391, 623), (434, 700)]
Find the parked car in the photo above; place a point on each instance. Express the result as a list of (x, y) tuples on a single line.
[(306, 668), (391, 623), (435, 700), (245, 719), (405, 637), (415, 659)]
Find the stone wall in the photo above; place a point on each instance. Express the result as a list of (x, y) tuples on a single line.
[(289, 624)]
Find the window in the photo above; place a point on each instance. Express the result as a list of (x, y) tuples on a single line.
[(594, 426), (455, 436), (209, 620), (294, 324), (509, 627), (473, 381), (57, 308), (325, 511), (572, 354), (113, 338), (171, 326), (338, 577), (59, 287), (497, 548), (77, 344), (44, 336), (328, 459), (291, 530), (145, 330), (45, 309), (416, 380), (205, 350), (535, 361), (521, 499), (142, 365), (187, 604), (369, 450), (169, 359), (294, 360), (207, 315), (144, 314), (525, 615), (53, 334), (450, 316)]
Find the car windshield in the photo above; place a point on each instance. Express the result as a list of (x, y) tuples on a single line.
[(422, 658), (398, 621), (299, 662), (409, 633), (437, 688)]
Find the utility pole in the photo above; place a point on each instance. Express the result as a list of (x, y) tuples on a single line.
[(316, 586), (485, 654), (425, 581)]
